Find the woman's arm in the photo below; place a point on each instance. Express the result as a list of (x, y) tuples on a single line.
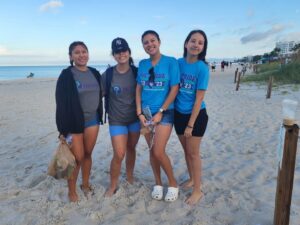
[(138, 101), (60, 99), (170, 98)]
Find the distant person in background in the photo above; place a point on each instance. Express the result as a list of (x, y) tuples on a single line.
[(119, 90), (222, 66), (190, 110), (213, 67), (244, 69), (30, 75), (158, 79), (255, 65), (79, 113)]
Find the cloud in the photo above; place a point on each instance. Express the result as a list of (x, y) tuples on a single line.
[(170, 26), (293, 36), (218, 34), (51, 5), (7, 52), (3, 51), (242, 30), (258, 36)]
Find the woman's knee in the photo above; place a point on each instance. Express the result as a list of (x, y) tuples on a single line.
[(88, 155), (193, 154), (131, 146), (78, 148), (79, 158), (119, 155), (157, 154), (132, 142)]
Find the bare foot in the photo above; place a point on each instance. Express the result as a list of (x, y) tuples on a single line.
[(87, 190), (110, 192), (73, 197), (187, 184), (130, 179), (194, 198)]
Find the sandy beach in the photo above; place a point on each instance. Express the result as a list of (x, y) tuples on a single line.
[(239, 156)]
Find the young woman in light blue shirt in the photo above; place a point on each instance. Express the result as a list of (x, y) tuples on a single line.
[(157, 87), (190, 109)]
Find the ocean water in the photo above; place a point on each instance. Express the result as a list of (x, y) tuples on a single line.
[(21, 72)]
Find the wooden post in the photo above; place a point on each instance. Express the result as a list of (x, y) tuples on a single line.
[(238, 81), (235, 74), (285, 176), (270, 87)]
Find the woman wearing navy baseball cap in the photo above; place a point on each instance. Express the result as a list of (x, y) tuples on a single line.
[(124, 126)]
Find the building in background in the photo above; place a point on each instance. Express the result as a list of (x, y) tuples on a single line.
[(285, 48)]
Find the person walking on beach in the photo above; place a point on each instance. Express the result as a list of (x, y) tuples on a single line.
[(222, 65), (157, 87), (190, 109), (124, 126), (213, 67), (79, 113)]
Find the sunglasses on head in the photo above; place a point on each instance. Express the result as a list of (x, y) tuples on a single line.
[(152, 75)]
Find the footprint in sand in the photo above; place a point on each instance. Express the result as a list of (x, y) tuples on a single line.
[(37, 180)]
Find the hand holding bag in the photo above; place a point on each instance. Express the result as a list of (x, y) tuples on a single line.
[(63, 162)]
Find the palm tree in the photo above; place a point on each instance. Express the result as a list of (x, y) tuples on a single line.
[(275, 52), (296, 47), (296, 55)]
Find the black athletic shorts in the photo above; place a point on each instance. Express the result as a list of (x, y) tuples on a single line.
[(181, 121)]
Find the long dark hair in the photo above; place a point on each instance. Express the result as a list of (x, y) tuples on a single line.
[(202, 54), (150, 32), (131, 62), (73, 45)]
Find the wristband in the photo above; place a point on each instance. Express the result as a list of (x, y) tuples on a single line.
[(138, 115), (189, 126)]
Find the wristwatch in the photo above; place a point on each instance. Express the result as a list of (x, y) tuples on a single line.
[(161, 110)]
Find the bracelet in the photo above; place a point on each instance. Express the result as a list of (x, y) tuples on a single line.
[(189, 126), (138, 115)]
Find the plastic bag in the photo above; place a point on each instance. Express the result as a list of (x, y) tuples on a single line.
[(150, 127), (63, 162), (147, 113)]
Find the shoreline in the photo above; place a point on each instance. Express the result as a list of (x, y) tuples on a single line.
[(21, 72), (22, 80)]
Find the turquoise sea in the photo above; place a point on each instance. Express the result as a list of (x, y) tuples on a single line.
[(20, 72)]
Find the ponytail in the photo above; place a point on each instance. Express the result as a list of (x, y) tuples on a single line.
[(131, 62)]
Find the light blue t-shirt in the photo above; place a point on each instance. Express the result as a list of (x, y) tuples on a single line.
[(166, 75), (193, 77)]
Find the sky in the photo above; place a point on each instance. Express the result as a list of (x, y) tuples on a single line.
[(39, 32)]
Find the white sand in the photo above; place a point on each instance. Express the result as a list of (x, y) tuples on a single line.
[(238, 151)]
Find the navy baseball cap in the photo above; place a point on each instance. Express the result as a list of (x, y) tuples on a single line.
[(119, 45)]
